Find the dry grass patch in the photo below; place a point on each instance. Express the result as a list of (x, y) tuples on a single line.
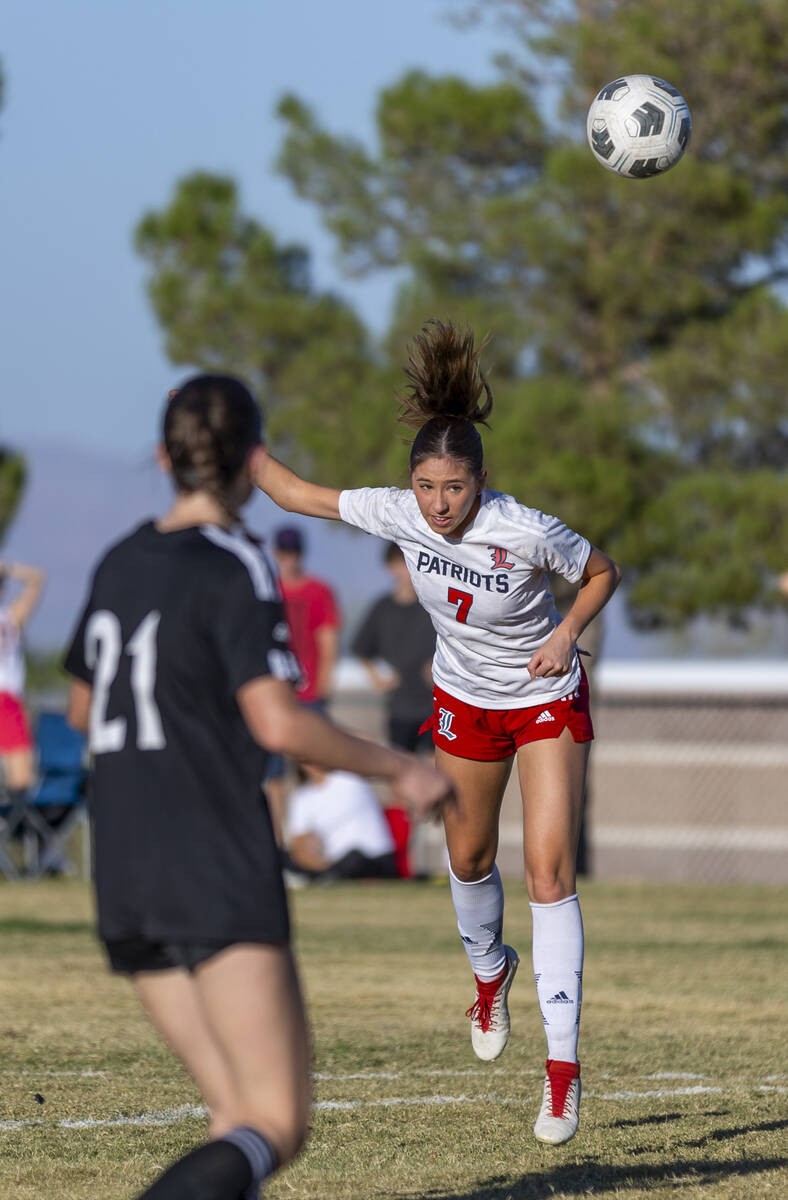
[(684, 1040)]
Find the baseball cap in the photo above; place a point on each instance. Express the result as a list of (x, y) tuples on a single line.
[(289, 538)]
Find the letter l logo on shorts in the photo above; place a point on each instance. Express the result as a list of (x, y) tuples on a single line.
[(444, 727)]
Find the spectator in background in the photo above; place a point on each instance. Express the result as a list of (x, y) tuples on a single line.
[(314, 620), (336, 829), (16, 743), (313, 616), (397, 631)]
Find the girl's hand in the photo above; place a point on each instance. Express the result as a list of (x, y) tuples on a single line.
[(422, 787), (554, 658)]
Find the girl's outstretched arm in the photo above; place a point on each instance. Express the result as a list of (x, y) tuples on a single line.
[(277, 721), (289, 491), (32, 580)]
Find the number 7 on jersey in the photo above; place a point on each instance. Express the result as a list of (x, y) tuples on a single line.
[(464, 600)]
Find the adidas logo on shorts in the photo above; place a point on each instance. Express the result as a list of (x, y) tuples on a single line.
[(544, 716)]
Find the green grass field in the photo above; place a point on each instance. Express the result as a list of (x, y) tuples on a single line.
[(684, 1053)]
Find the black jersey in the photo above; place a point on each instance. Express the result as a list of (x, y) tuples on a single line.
[(174, 625), (404, 637)]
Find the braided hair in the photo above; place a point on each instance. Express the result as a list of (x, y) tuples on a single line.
[(209, 426), (447, 395)]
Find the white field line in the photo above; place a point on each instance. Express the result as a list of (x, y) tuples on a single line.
[(675, 1075), (49, 1074), (423, 1071), (188, 1112), (657, 1092), (164, 1116), (413, 1101)]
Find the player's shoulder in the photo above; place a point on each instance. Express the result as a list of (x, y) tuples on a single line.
[(515, 518), (382, 606), (318, 587), (403, 509), (233, 557), (381, 497), (124, 548)]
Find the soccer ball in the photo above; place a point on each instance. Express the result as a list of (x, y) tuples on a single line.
[(638, 126)]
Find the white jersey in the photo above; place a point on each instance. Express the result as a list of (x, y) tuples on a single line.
[(344, 812), (12, 661), (487, 592)]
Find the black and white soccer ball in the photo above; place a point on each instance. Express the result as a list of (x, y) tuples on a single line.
[(638, 126)]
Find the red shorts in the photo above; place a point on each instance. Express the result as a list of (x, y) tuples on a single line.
[(14, 726), (491, 734)]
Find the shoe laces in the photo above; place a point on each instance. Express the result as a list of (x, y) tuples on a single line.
[(485, 1007), (481, 1011), (558, 1088)]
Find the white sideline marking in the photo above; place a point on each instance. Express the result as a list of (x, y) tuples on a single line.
[(675, 1075), (395, 1101), (164, 1116), (78, 1074), (359, 1075), (423, 1071), (688, 1091), (188, 1112)]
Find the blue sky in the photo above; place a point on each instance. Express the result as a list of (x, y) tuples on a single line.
[(108, 103)]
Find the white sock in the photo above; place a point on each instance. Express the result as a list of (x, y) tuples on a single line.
[(479, 908), (558, 970)]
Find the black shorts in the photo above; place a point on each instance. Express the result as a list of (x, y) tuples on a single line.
[(130, 955)]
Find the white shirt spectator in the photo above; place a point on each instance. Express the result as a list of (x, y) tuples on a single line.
[(343, 811)]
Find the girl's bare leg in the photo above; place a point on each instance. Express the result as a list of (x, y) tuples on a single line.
[(237, 1022), (552, 776), (173, 1004), (477, 893), (252, 1002), (19, 769), (472, 823), (552, 780)]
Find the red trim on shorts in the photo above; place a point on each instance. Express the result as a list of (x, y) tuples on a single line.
[(14, 726), (490, 734)]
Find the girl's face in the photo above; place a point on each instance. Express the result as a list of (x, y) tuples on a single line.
[(447, 492)]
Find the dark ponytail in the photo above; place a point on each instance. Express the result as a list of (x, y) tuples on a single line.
[(210, 424), (447, 396)]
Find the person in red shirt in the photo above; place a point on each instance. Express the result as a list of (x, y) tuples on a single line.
[(313, 616), (314, 620)]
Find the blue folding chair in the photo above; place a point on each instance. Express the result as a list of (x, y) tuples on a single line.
[(57, 803), (7, 865)]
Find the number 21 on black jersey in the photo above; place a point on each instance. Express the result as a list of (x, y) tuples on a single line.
[(103, 650)]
